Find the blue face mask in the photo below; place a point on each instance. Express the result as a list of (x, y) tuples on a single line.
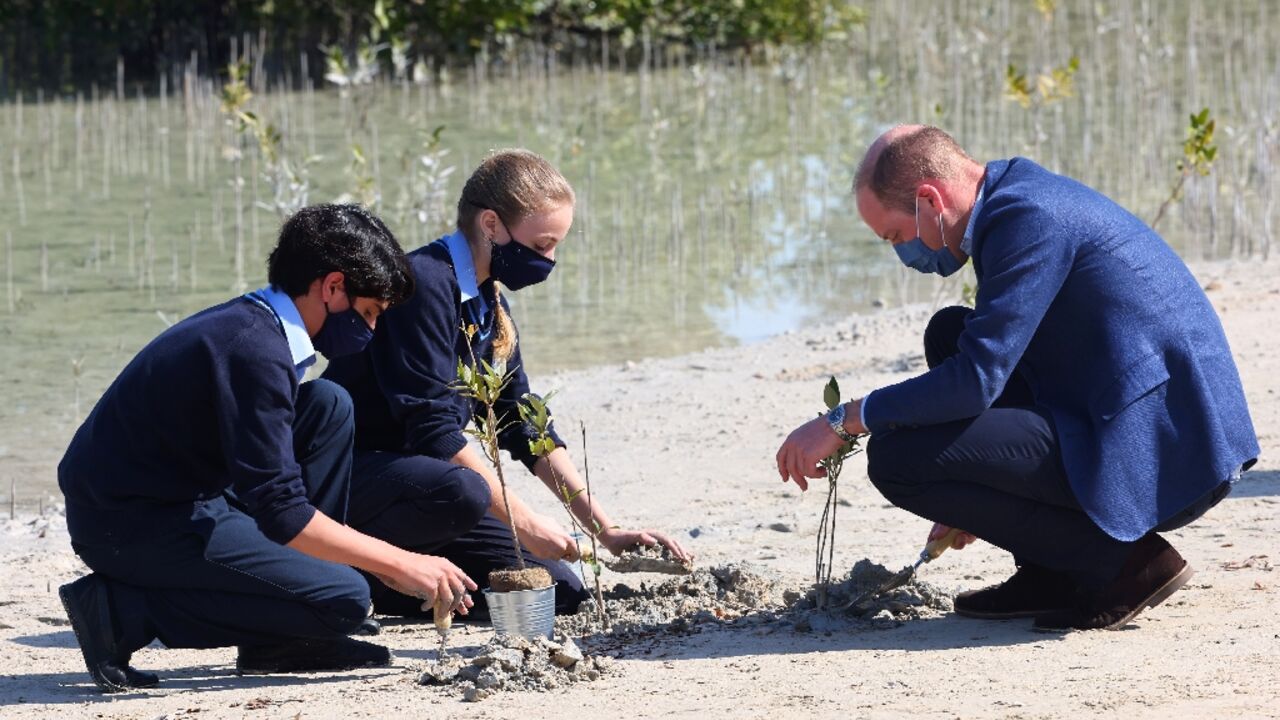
[(517, 266), (918, 256), (344, 333)]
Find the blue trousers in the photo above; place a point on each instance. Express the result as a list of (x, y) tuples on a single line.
[(998, 475), (215, 580), (435, 507)]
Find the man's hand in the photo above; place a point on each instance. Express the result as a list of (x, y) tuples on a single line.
[(617, 540), (961, 539), (428, 577), (804, 447), (544, 537)]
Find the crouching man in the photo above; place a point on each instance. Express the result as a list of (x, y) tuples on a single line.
[(1086, 403)]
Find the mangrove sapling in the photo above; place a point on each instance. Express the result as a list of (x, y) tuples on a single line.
[(1198, 154), (483, 382), (534, 412), (833, 465)]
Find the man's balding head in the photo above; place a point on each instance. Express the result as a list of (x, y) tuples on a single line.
[(904, 157)]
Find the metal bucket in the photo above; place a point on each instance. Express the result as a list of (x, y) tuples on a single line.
[(523, 613)]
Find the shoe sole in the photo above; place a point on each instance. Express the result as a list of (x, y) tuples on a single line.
[(1160, 595), (1011, 615), (77, 627), (303, 671)]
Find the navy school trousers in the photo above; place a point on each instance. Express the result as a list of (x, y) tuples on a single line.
[(215, 580)]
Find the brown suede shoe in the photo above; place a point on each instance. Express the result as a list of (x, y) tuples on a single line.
[(1031, 591), (1153, 572)]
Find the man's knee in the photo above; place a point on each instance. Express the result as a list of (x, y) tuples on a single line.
[(942, 333), (345, 602), (890, 458), (324, 408)]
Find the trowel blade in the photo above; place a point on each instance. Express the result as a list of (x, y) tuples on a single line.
[(900, 578)]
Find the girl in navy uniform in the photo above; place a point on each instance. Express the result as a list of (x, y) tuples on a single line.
[(416, 482)]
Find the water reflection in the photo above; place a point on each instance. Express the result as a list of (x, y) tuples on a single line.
[(714, 199)]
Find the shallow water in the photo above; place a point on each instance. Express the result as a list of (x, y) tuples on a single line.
[(713, 196)]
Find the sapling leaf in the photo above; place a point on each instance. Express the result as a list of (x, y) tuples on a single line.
[(831, 395)]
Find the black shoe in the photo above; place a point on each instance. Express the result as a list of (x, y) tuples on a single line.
[(1153, 572), (89, 611), (1030, 592), (308, 655), (368, 628)]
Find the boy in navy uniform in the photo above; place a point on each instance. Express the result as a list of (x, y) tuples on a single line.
[(208, 488)]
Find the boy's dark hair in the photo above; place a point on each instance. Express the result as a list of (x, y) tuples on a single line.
[(321, 239)]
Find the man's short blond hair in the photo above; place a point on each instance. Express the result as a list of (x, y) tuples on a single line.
[(905, 161)]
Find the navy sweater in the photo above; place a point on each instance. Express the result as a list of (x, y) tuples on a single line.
[(206, 406), (401, 384)]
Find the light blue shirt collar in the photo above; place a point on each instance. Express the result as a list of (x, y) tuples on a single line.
[(301, 350), (464, 268), (966, 242)]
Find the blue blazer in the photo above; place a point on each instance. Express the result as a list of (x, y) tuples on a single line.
[(1113, 334)]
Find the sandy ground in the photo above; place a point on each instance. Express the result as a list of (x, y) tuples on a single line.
[(685, 444)]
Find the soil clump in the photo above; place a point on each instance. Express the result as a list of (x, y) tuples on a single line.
[(534, 578), (653, 559), (509, 663), (742, 594), (912, 601)]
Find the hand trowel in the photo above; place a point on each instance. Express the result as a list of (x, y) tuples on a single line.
[(931, 551)]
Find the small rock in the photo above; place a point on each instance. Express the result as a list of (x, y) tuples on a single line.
[(471, 693), (884, 615), (491, 677), (782, 527), (567, 656), (439, 673)]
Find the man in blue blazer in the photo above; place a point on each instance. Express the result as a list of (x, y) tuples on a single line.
[(1088, 401)]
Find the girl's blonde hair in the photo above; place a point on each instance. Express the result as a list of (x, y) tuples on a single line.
[(515, 184)]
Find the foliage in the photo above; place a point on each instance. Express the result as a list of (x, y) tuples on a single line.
[(67, 44), (1198, 154), (364, 184), (289, 180), (426, 195), (1057, 83), (535, 413), (484, 383), (833, 464)]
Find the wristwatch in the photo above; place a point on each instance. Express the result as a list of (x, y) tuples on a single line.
[(835, 419)]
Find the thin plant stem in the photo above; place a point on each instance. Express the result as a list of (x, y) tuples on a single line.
[(491, 425), (591, 508)]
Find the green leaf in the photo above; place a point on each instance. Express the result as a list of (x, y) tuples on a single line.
[(831, 394)]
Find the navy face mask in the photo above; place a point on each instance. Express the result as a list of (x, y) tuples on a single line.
[(344, 333), (517, 266), (918, 256)]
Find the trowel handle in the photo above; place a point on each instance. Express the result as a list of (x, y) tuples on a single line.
[(937, 546), (442, 614)]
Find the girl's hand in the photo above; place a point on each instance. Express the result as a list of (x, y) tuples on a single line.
[(544, 538), (616, 540)]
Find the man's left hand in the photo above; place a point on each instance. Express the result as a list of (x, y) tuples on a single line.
[(804, 447)]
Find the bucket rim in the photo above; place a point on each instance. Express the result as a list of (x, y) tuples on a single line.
[(487, 591)]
